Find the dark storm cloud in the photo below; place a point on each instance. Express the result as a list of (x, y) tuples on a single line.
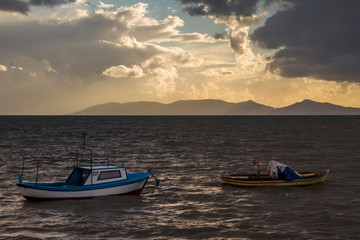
[(220, 35), (23, 6), (236, 14), (219, 8), (14, 6), (316, 38), (49, 3)]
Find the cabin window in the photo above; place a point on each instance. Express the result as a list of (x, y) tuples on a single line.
[(109, 174)]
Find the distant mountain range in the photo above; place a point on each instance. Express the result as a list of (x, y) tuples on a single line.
[(216, 107)]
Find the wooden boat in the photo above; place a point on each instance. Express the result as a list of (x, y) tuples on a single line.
[(309, 178), (86, 182)]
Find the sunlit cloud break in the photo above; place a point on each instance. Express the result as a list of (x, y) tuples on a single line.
[(3, 68), (123, 71)]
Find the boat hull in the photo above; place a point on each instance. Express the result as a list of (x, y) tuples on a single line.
[(253, 181), (58, 191)]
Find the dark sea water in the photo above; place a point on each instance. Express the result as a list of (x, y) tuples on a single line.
[(187, 154)]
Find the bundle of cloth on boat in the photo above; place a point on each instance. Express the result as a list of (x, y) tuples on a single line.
[(281, 171)]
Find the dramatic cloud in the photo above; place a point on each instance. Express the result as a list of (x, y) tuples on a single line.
[(3, 68), (54, 54), (220, 8), (89, 45), (238, 15), (165, 31), (14, 6), (104, 5), (23, 6), (312, 38), (238, 41), (162, 81), (220, 35), (216, 72), (121, 71), (315, 38)]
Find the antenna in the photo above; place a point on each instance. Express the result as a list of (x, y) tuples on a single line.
[(84, 136)]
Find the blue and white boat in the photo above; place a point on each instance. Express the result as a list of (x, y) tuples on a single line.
[(86, 182)]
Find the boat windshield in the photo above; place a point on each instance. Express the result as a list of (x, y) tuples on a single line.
[(78, 176)]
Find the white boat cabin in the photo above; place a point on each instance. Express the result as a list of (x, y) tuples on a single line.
[(87, 175)]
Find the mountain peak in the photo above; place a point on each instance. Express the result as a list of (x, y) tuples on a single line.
[(308, 101), (309, 107)]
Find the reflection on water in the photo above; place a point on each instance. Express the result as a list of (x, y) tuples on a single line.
[(188, 154)]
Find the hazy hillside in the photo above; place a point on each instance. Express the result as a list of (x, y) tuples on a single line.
[(250, 108), (131, 108), (216, 107), (197, 107), (308, 107)]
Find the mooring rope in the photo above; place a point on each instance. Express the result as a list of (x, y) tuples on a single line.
[(157, 181)]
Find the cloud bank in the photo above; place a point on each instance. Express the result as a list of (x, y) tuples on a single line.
[(238, 15), (312, 38), (316, 38), (220, 8), (92, 51), (91, 44)]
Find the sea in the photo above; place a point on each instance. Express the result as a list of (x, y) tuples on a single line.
[(187, 154)]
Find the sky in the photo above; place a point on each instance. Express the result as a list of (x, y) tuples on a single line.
[(61, 56)]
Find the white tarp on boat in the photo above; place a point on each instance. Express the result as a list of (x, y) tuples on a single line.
[(278, 170)]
